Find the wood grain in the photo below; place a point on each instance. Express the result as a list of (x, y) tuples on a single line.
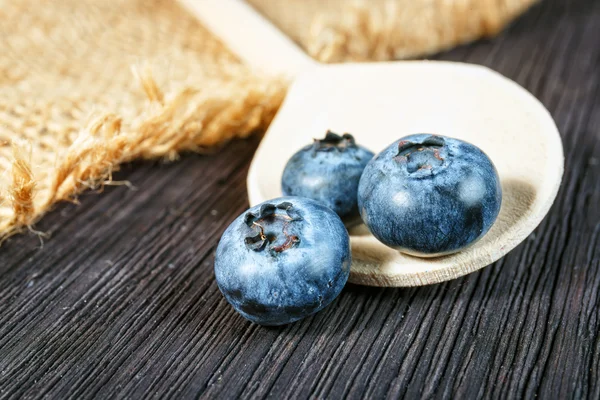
[(121, 301)]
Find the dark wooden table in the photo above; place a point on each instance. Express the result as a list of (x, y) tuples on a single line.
[(122, 301)]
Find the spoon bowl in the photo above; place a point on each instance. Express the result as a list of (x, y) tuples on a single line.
[(381, 102), (378, 104)]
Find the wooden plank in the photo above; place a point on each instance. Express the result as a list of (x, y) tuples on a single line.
[(121, 301)]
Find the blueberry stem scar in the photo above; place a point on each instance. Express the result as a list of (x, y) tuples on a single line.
[(432, 142), (267, 214), (333, 141), (429, 148), (290, 240), (262, 230)]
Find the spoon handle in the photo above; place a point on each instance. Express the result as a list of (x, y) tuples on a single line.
[(251, 36)]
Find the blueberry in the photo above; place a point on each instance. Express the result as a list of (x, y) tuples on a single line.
[(283, 260), (429, 195), (328, 171)]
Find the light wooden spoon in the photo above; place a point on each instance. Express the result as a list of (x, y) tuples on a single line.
[(381, 102)]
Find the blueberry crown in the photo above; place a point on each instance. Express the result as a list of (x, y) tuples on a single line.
[(333, 141), (421, 156), (267, 214)]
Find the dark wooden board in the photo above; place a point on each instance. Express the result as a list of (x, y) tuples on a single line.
[(121, 300)]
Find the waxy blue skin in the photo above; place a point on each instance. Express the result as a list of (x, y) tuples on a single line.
[(328, 171), (429, 195), (283, 260)]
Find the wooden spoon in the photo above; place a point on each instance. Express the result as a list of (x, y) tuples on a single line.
[(381, 102)]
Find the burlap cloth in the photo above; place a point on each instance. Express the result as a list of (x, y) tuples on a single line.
[(86, 85), (362, 30)]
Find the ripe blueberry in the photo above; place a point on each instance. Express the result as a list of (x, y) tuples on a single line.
[(327, 171), (429, 195), (283, 260)]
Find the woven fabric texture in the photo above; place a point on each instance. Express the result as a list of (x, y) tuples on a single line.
[(86, 85), (367, 30)]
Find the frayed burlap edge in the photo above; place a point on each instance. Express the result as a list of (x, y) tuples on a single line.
[(194, 119)]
